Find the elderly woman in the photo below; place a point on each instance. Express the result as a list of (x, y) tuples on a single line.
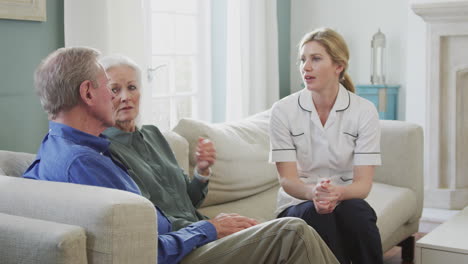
[(147, 155)]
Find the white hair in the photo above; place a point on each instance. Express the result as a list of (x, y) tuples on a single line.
[(118, 60)]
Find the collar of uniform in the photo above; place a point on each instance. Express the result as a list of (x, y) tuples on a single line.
[(100, 144), (342, 101), (305, 100), (122, 136)]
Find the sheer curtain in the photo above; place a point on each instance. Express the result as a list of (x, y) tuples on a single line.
[(111, 26), (252, 57)]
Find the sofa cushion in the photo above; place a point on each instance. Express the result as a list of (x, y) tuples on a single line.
[(15, 163), (393, 205), (27, 240), (180, 147), (242, 147), (260, 206)]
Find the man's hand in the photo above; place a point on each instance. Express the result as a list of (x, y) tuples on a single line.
[(227, 224), (205, 155)]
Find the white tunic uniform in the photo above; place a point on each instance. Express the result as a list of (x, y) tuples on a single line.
[(350, 137)]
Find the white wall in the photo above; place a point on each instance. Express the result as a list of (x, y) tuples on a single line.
[(416, 68), (357, 21)]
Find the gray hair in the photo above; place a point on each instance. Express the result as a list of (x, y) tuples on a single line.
[(120, 60), (58, 77)]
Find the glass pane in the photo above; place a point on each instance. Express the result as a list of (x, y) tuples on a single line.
[(184, 70), (186, 37), (183, 108), (163, 33), (162, 5), (163, 68), (160, 113), (188, 6)]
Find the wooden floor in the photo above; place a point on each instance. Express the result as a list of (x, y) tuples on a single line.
[(393, 256)]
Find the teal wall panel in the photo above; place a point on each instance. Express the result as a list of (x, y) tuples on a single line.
[(23, 45), (284, 46)]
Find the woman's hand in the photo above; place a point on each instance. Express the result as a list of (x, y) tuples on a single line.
[(205, 155), (326, 196)]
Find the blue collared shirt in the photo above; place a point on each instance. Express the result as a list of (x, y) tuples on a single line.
[(70, 155)]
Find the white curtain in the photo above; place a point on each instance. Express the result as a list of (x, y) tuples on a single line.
[(252, 57), (112, 27)]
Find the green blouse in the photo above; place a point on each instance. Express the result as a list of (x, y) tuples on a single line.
[(153, 166)]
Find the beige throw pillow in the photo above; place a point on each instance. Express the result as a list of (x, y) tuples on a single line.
[(180, 148), (242, 149)]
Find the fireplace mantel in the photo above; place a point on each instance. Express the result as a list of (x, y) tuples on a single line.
[(446, 142), (442, 11)]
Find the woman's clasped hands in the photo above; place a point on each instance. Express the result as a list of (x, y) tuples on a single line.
[(326, 196)]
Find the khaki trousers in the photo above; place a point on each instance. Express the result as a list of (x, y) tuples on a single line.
[(284, 240)]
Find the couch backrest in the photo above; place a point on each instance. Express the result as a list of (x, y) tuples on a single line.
[(242, 167), (14, 163), (242, 148)]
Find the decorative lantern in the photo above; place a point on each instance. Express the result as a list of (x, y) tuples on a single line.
[(378, 58)]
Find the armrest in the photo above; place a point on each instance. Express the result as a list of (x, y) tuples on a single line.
[(14, 163), (402, 158), (26, 240), (120, 226)]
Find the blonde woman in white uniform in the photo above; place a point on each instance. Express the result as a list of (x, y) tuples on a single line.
[(325, 130)]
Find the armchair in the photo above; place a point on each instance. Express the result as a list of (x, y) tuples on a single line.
[(53, 222)]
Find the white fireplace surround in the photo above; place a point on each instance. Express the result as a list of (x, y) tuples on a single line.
[(446, 143)]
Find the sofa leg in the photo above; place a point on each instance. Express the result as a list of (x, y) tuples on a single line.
[(407, 249)]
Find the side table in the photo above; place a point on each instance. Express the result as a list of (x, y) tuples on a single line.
[(448, 243), (384, 97)]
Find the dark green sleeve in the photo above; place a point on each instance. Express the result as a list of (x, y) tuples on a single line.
[(197, 191)]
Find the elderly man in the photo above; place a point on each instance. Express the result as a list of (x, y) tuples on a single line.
[(73, 89)]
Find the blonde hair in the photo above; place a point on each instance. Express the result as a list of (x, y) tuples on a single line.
[(336, 47)]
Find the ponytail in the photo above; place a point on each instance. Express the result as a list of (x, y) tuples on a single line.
[(347, 83)]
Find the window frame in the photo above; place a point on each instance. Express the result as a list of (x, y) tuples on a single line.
[(201, 75)]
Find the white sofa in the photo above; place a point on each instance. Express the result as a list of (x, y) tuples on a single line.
[(100, 225)]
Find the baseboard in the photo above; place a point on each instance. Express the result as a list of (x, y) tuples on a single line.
[(433, 217)]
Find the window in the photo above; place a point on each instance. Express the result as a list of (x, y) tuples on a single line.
[(180, 71)]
